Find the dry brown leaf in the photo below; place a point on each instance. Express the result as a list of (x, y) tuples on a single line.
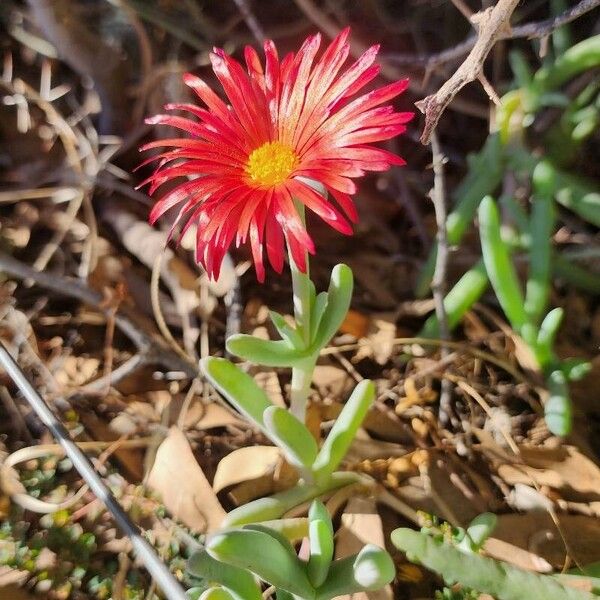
[(269, 382), (563, 468), (178, 478), (379, 342), (456, 500), (216, 416), (356, 324), (537, 533), (245, 464), (332, 381), (514, 555), (387, 426), (361, 525)]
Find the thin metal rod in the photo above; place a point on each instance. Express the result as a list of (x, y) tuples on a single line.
[(163, 577)]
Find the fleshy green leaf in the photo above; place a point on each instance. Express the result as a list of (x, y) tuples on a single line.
[(217, 593), (292, 436), (238, 582), (318, 309), (285, 330), (264, 352), (320, 536), (371, 569), (318, 512), (273, 507), (238, 387), (540, 251), (479, 530), (558, 411), (575, 368), (467, 290), (547, 334), (339, 295), (344, 429), (498, 579), (263, 555), (499, 267)]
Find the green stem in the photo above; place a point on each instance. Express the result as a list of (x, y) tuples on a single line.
[(301, 373)]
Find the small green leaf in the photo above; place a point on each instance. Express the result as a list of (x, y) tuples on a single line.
[(369, 570), (273, 507), (292, 436), (498, 264), (317, 312), (238, 387), (467, 290), (320, 536), (238, 581), (285, 330), (339, 295), (263, 555), (217, 593), (546, 336), (264, 352), (540, 250), (558, 411), (318, 512), (478, 531), (575, 368), (344, 429)]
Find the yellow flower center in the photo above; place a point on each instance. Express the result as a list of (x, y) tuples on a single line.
[(271, 163)]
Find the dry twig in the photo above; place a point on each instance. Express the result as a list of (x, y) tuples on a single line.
[(492, 23)]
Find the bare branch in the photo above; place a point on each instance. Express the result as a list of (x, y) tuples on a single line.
[(535, 30), (491, 23)]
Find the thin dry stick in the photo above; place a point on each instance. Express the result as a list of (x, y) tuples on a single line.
[(158, 315), (461, 346), (491, 24), (253, 25), (438, 282), (535, 30)]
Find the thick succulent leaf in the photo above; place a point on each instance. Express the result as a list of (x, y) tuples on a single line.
[(540, 251), (316, 314), (467, 290), (339, 295), (558, 411), (292, 436), (217, 593), (263, 555), (264, 352), (547, 334), (238, 387), (239, 582), (498, 579), (274, 507), (321, 551), (344, 429), (370, 569), (498, 264), (318, 512), (479, 530), (285, 330)]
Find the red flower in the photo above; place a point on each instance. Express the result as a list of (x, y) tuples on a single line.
[(291, 121)]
